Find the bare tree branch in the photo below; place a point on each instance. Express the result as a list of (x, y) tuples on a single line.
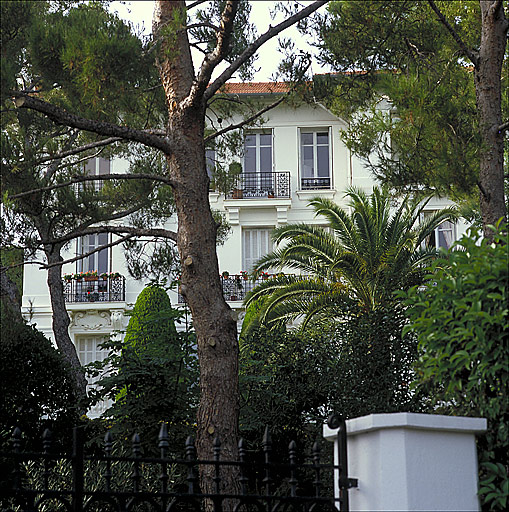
[(194, 4), (245, 121), (252, 48), (464, 49), (75, 151), (503, 127), (203, 24), (99, 177), (61, 116), (118, 230), (81, 256), (213, 58)]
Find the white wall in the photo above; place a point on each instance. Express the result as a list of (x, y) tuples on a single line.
[(412, 462)]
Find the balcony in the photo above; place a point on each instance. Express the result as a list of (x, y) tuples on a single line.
[(315, 183), (252, 185), (235, 287), (95, 290)]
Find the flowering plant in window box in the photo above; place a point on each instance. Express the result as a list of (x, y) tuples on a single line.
[(110, 275), (225, 274), (244, 275), (264, 275), (90, 275)]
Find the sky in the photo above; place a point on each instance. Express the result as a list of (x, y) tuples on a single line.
[(139, 12)]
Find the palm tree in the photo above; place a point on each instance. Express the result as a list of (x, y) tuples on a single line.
[(359, 260)]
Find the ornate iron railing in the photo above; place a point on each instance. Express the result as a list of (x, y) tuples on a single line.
[(315, 183), (95, 290), (235, 287), (80, 482), (262, 184)]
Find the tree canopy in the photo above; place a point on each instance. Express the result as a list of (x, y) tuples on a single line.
[(79, 64), (442, 66)]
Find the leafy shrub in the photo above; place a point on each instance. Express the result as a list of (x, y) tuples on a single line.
[(460, 317), (151, 375), (36, 385), (374, 365)]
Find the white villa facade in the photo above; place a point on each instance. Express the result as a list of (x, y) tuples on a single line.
[(296, 155)]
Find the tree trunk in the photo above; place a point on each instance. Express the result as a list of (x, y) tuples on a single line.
[(487, 75), (10, 297), (200, 283), (61, 320)]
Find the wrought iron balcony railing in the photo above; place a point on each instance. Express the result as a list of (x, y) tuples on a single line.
[(262, 184), (95, 290), (235, 287), (315, 183)]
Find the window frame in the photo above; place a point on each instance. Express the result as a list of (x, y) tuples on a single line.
[(252, 259), (258, 146), (83, 264), (316, 176)]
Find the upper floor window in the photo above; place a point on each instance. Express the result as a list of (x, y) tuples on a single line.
[(210, 161), (258, 152), (315, 159), (96, 167), (99, 260), (443, 236)]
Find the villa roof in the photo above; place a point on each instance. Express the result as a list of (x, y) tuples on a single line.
[(255, 88)]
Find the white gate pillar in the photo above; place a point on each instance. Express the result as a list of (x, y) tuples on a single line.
[(412, 462)]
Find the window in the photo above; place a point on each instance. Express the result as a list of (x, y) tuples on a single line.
[(314, 159), (443, 236), (210, 161), (88, 352), (99, 260), (96, 167), (255, 244), (258, 152)]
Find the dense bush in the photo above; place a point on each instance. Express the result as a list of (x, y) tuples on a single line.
[(460, 317), (152, 374), (374, 366), (358, 366), (36, 385)]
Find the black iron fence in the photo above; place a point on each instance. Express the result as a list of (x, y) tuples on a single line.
[(46, 481), (262, 184), (95, 290)]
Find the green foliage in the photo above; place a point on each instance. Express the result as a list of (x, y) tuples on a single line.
[(151, 375), (243, 34), (430, 137), (358, 366), (97, 59), (225, 180), (460, 316), (271, 393), (142, 330), (363, 257), (36, 386), (374, 365)]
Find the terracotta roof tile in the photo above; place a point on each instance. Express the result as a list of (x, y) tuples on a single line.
[(255, 88)]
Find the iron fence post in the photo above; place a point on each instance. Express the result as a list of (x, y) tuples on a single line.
[(77, 469)]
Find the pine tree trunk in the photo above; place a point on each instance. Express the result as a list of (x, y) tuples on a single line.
[(488, 93), (61, 321), (215, 328), (10, 298)]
